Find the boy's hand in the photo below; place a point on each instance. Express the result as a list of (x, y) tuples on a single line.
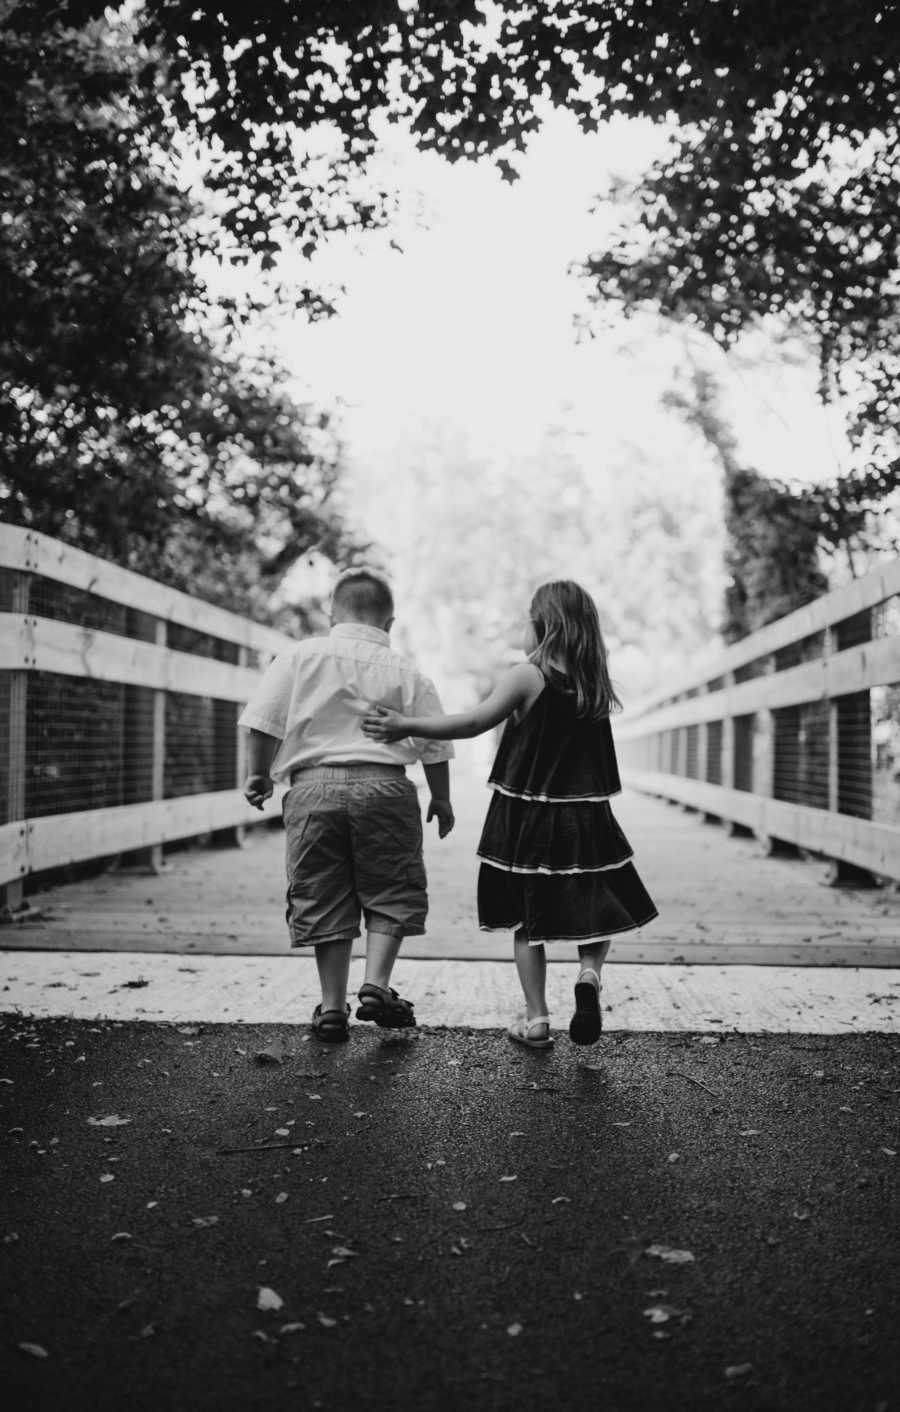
[(442, 810), (257, 789), (382, 723)]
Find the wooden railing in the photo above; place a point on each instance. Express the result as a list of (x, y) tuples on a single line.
[(793, 733), (42, 650)]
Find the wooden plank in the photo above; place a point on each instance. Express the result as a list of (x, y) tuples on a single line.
[(855, 597), (860, 841), (875, 663), (48, 645), (58, 839), (28, 550)]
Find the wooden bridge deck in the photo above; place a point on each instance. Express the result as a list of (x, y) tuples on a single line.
[(720, 901)]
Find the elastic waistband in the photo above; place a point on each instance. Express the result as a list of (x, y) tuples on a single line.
[(355, 770)]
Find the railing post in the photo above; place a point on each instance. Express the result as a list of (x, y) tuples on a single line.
[(158, 777), (230, 739), (845, 714), (13, 894), (727, 738), (764, 770)]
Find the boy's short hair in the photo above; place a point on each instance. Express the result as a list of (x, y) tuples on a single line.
[(363, 593)]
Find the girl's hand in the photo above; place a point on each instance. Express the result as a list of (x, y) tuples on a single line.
[(381, 723)]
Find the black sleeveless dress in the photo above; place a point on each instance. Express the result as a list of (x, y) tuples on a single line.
[(555, 864)]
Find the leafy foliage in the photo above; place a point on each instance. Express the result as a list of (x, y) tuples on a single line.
[(778, 196), (122, 427), (772, 535)]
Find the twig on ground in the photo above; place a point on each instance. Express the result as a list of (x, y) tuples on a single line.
[(260, 1147), (699, 1082)]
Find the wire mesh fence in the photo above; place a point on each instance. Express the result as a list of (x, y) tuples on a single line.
[(810, 718), (79, 744)]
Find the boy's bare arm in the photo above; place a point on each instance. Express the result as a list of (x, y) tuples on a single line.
[(438, 776), (261, 750)]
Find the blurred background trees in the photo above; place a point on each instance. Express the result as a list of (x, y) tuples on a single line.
[(131, 423), (774, 206)]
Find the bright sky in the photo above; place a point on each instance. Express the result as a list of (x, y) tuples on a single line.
[(473, 321), (472, 327)]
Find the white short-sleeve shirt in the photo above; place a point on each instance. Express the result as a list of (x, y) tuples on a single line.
[(313, 698)]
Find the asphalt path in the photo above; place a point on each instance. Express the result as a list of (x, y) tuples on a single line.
[(441, 1220)]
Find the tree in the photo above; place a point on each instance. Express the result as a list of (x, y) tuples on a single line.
[(779, 195), (771, 554), (123, 427)]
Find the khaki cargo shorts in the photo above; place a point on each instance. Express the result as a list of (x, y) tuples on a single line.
[(354, 845)]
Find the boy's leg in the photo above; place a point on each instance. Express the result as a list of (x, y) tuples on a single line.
[(333, 964), (381, 953)]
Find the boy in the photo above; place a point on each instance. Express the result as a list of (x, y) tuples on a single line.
[(354, 828)]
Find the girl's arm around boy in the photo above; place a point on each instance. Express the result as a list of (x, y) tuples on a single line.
[(516, 690)]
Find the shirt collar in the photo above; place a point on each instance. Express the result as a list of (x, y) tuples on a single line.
[(361, 630)]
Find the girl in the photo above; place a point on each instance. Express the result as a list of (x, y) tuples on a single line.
[(555, 864)]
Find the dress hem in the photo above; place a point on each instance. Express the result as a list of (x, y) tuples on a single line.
[(552, 798), (552, 872), (586, 937)]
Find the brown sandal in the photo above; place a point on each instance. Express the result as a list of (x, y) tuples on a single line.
[(331, 1026), (385, 1008)]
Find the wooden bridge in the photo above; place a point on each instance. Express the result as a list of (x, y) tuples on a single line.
[(779, 762)]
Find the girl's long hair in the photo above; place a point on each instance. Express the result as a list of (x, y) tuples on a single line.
[(570, 649)]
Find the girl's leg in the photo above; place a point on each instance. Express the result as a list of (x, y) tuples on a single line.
[(531, 964), (586, 1024), (333, 963), (592, 956)]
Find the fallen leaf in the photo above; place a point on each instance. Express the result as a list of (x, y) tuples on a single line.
[(557, 1199), (326, 1321), (190, 1029), (281, 1198), (738, 1370), (122, 1235), (514, 1330), (107, 1177), (889, 1151), (459, 1206), (36, 1350), (509, 1179), (658, 1314), (673, 1157), (670, 1255), (205, 1220), (344, 1253), (624, 1125), (290, 1328), (112, 1121), (267, 1299)]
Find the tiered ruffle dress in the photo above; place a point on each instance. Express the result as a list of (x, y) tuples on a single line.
[(555, 865)]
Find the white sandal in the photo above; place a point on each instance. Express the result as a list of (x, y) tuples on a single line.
[(519, 1031)]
